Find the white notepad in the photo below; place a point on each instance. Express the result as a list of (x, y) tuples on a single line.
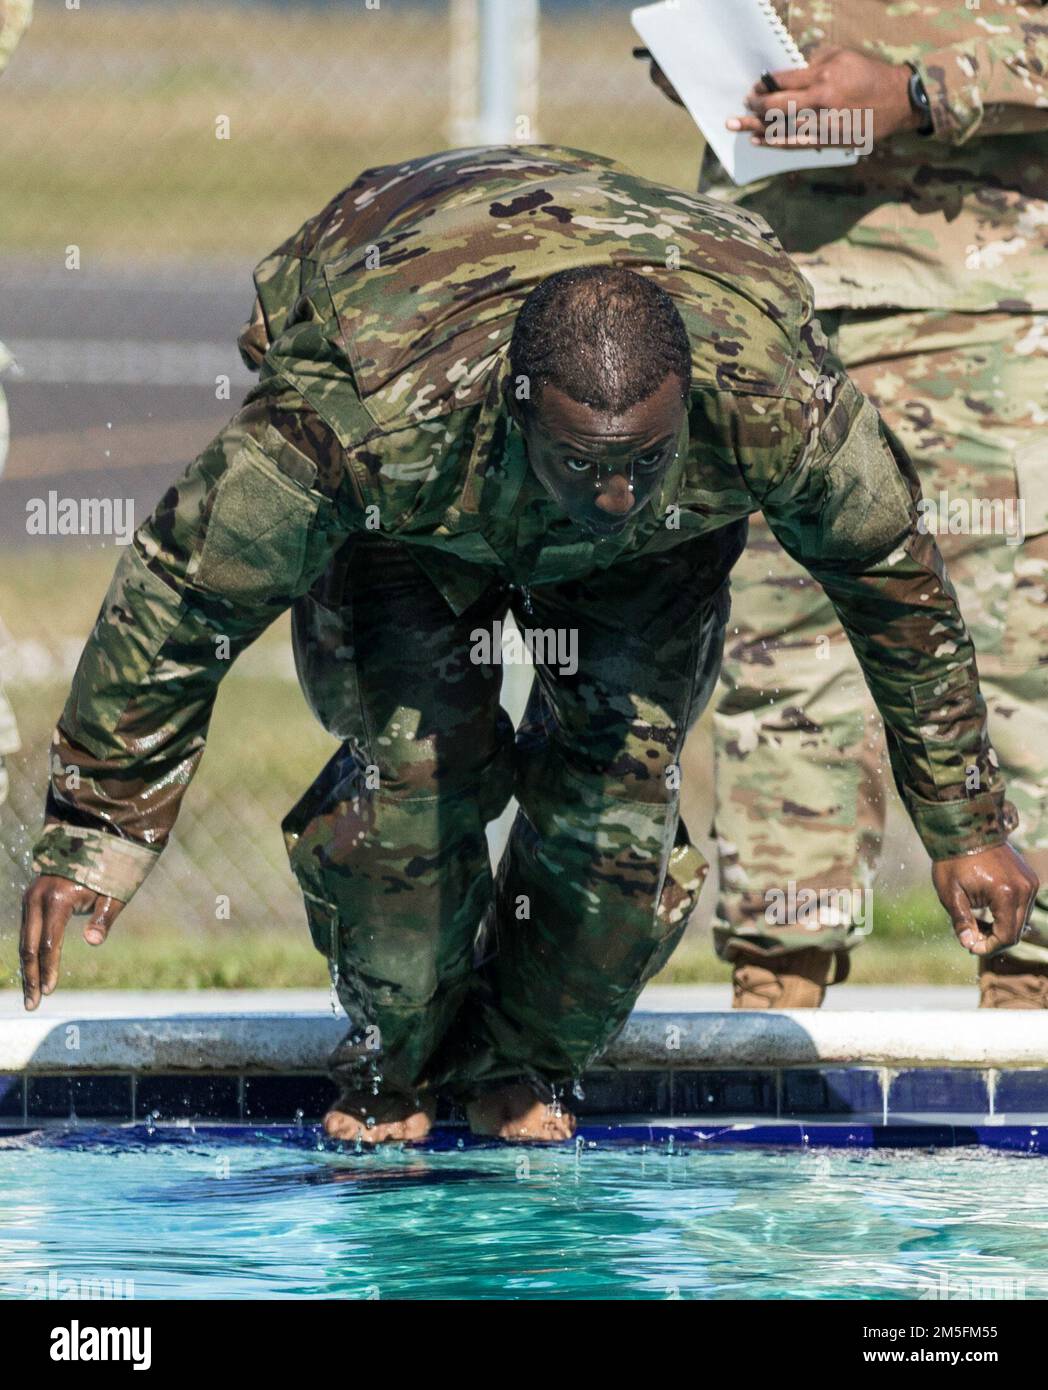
[(713, 51)]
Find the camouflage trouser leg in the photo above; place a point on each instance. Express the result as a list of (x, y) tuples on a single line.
[(598, 879), (800, 760), (388, 844)]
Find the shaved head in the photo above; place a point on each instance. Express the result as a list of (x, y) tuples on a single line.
[(603, 335)]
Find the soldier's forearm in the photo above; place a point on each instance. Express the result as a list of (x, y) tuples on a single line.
[(902, 619), (229, 548)]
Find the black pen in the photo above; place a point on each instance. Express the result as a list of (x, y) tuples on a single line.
[(770, 85)]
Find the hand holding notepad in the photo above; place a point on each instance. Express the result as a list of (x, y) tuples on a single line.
[(713, 52)]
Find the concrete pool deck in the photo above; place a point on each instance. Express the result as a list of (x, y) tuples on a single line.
[(294, 1031), (905, 1066), (655, 999)]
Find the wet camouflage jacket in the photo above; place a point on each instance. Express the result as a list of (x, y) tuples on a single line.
[(956, 220), (379, 408)]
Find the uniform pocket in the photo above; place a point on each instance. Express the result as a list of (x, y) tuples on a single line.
[(138, 614), (257, 534), (685, 874), (939, 690), (325, 659), (942, 704), (1031, 482)]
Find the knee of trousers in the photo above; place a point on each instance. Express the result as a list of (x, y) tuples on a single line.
[(594, 892), (406, 794), (593, 842), (395, 884), (406, 763)]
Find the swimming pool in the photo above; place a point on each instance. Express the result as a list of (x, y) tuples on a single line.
[(277, 1212)]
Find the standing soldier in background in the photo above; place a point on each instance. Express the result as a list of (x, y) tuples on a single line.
[(928, 260), (14, 19)]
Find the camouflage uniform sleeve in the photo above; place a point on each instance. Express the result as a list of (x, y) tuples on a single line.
[(845, 508), (247, 529), (995, 80)]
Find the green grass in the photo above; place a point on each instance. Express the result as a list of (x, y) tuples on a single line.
[(913, 944), (188, 960)]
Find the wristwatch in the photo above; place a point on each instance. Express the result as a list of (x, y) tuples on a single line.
[(919, 101)]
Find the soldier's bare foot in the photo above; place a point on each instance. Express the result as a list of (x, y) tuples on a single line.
[(518, 1112), (379, 1119)]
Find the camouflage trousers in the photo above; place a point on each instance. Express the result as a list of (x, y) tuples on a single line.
[(457, 974), (801, 765)]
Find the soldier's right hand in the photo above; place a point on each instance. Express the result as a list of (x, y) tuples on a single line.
[(47, 906)]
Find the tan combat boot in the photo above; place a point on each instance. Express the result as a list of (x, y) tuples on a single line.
[(1007, 983), (791, 980)]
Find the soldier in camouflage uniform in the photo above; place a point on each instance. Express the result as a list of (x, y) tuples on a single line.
[(14, 19), (928, 262), (509, 379)]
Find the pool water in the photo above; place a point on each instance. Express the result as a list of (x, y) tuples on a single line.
[(178, 1214)]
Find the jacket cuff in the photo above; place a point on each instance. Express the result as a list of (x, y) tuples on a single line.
[(954, 94), (105, 863), (949, 829)]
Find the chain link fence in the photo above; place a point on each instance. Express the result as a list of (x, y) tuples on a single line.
[(139, 130)]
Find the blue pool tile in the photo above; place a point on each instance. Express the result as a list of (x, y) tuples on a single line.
[(1022, 1092), (107, 1097), (49, 1097), (724, 1093), (832, 1091), (1019, 1138), (839, 1136), (917, 1136), (176, 1097), (1031, 1139), (278, 1098), (86, 1097), (12, 1098), (623, 1093), (930, 1090), (750, 1134), (615, 1134)]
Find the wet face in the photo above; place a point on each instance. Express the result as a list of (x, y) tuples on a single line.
[(603, 468)]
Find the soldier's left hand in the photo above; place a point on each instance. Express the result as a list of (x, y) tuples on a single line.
[(998, 880), (837, 79)]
